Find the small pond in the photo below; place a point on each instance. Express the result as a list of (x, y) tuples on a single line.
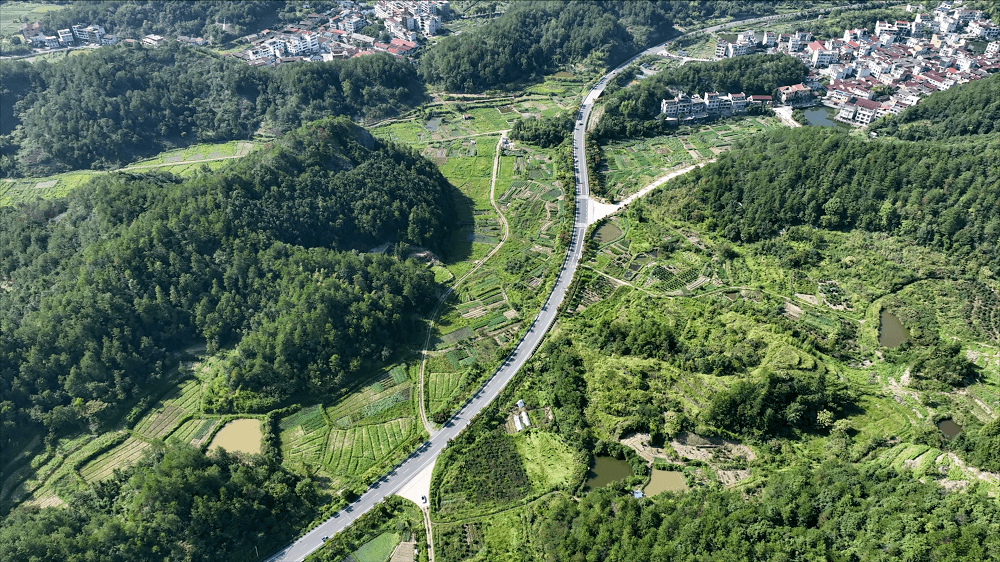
[(607, 470), (665, 481), (238, 435), (608, 232), (949, 428), (891, 332), (823, 117)]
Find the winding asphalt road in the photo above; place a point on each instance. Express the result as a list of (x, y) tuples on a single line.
[(427, 453)]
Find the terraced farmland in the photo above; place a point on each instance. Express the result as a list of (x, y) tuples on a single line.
[(355, 450), (124, 455)]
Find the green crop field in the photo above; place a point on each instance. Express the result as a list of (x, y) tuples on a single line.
[(378, 549), (124, 455), (353, 451), (182, 162), (13, 14), (441, 388)]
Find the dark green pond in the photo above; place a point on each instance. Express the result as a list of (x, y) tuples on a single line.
[(823, 117), (949, 428), (608, 232), (607, 470), (891, 332)]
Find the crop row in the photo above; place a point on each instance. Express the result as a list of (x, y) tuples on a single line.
[(122, 456), (353, 450)]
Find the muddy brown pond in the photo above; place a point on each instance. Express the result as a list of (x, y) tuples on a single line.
[(239, 435), (949, 428)]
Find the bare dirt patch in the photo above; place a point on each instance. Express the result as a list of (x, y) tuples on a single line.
[(404, 552), (811, 299), (729, 477), (792, 311)]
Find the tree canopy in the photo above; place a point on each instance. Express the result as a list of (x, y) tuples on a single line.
[(101, 288), (533, 38), (177, 504), (972, 109), (106, 108)]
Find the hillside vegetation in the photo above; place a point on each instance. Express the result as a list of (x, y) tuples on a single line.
[(972, 109), (727, 329), (118, 103), (98, 290)]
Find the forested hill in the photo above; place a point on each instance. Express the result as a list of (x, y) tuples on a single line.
[(533, 38), (942, 195), (117, 103), (961, 111), (99, 290), (218, 20)]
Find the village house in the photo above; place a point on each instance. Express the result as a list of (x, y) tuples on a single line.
[(795, 93)]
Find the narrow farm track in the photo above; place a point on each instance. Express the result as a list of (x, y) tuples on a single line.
[(428, 426)]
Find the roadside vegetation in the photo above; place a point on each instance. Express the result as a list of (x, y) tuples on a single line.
[(756, 366)]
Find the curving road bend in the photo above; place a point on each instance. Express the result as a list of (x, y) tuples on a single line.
[(427, 453)]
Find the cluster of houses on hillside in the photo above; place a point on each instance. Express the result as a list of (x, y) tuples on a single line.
[(336, 34), (692, 108), (403, 17), (873, 73), (333, 34), (91, 35), (80, 34)]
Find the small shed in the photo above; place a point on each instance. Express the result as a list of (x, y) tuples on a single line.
[(524, 418), (520, 403)]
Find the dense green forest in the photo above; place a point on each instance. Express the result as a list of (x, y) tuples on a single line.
[(546, 132), (632, 111), (101, 288), (177, 504), (834, 512), (533, 38), (202, 18), (117, 103), (973, 109), (942, 195)]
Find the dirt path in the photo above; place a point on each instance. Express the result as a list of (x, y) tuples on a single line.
[(598, 211), (430, 534), (431, 430)]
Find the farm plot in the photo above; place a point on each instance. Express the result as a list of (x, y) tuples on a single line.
[(369, 401), (356, 449), (378, 549), (194, 431), (182, 162), (171, 411), (441, 387), (15, 12), (303, 435), (126, 454)]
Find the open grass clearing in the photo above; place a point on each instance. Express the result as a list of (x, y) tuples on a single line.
[(378, 549), (550, 463), (183, 162), (13, 14)]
